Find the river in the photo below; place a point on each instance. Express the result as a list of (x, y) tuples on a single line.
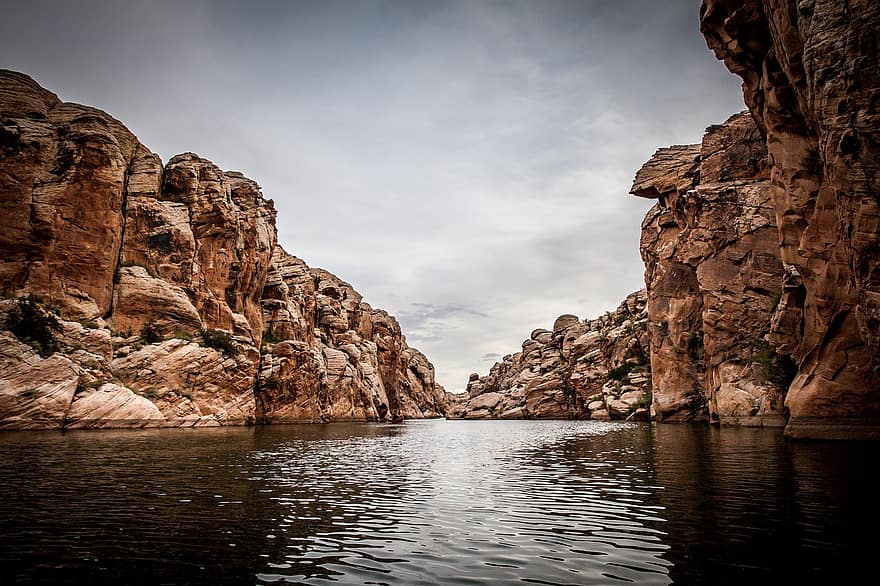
[(434, 502)]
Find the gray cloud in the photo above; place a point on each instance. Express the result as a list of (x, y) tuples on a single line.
[(463, 164)]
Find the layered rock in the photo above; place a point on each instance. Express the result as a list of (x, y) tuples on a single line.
[(592, 369), (64, 180), (713, 278), (811, 74), (158, 275), (328, 355)]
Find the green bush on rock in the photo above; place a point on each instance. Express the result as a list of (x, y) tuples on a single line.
[(34, 325), (150, 333), (219, 340)]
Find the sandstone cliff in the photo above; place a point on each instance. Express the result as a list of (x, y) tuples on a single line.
[(811, 79), (593, 369), (713, 279), (328, 355), (165, 279)]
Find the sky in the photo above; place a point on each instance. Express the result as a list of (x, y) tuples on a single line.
[(465, 165)]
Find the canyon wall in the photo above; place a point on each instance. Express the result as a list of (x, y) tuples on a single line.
[(174, 305), (594, 369), (811, 79), (713, 279)]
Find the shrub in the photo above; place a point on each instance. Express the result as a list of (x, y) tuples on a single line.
[(90, 324), (150, 333), (620, 372), (272, 382), (91, 385), (219, 340), (34, 325), (149, 393), (270, 338), (775, 368)]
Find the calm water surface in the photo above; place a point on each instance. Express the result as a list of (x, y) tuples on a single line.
[(436, 502)]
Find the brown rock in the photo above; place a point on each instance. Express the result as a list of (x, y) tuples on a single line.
[(810, 76), (338, 358), (190, 384), (233, 232), (62, 188), (112, 406), (561, 374), (671, 169), (140, 298), (35, 392), (92, 222), (713, 275)]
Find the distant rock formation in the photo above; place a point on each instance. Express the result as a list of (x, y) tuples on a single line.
[(593, 369), (177, 308), (811, 79)]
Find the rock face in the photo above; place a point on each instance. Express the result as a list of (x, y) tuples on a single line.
[(713, 279), (811, 79), (163, 277), (594, 369), (62, 191), (330, 356)]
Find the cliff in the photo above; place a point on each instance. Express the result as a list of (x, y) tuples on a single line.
[(328, 355), (713, 278), (811, 79), (595, 369), (174, 304)]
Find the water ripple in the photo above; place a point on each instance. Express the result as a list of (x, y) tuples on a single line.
[(429, 503)]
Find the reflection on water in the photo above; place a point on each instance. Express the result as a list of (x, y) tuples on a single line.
[(433, 502)]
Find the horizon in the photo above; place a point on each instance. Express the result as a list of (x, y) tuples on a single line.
[(464, 166)]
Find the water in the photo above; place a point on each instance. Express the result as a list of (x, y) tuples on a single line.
[(436, 502)]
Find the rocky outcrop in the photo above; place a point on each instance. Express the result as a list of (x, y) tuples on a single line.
[(811, 79), (328, 355), (64, 180), (595, 369), (162, 277), (713, 279)]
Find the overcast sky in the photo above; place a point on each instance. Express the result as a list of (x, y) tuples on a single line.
[(465, 165)]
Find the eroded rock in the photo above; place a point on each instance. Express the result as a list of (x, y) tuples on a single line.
[(592, 369), (713, 277), (811, 74), (328, 355), (161, 276)]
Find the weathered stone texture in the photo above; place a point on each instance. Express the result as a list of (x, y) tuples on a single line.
[(713, 275), (330, 356), (811, 79), (594, 369)]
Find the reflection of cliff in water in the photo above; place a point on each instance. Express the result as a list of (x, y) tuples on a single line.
[(149, 507), (743, 504), (551, 502)]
